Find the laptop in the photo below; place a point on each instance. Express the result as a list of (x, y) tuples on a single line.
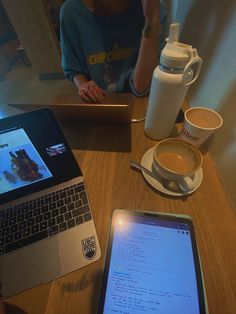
[(108, 113), (46, 224)]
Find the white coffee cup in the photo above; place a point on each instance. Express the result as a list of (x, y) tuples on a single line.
[(176, 160), (199, 124)]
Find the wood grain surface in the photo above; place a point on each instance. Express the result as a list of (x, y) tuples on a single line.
[(103, 153)]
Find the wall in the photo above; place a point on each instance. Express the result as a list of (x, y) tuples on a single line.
[(7, 43), (210, 26), (35, 31)]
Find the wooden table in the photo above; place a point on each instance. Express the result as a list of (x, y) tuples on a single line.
[(103, 152)]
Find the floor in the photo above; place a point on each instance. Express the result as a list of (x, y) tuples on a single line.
[(22, 85)]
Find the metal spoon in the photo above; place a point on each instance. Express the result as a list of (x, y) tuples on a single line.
[(171, 185)]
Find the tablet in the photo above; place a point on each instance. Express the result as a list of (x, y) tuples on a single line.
[(152, 266)]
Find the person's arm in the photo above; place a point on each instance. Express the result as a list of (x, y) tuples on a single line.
[(149, 47), (73, 60)]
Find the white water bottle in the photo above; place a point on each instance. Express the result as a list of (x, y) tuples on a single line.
[(169, 86)]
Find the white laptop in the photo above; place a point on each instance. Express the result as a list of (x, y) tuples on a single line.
[(46, 224)]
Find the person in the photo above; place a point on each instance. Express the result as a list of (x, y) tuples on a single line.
[(111, 46)]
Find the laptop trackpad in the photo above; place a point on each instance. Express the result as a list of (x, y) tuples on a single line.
[(29, 266)]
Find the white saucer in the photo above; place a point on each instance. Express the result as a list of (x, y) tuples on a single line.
[(147, 163)]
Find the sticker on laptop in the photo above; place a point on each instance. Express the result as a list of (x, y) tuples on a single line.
[(89, 247)]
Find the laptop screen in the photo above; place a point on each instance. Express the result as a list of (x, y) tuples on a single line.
[(33, 154)]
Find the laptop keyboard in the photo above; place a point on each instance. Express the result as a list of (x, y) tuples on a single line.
[(43, 217)]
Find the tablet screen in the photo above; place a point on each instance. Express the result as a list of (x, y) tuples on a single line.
[(152, 266)]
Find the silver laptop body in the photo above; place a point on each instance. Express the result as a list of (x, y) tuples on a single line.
[(46, 225)]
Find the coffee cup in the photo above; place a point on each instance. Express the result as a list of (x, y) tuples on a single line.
[(176, 160), (199, 124)]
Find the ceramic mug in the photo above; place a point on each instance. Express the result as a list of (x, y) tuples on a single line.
[(176, 160)]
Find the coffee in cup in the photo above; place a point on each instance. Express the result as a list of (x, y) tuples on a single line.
[(176, 160), (199, 124)]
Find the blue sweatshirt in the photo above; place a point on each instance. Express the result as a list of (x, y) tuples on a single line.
[(102, 47)]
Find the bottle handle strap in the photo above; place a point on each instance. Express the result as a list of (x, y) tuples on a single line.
[(194, 58)]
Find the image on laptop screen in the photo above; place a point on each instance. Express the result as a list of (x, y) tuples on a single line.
[(34, 155), (21, 164)]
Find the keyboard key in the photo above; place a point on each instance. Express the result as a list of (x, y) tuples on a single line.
[(43, 225), (16, 212), (40, 203), (71, 223), (17, 235), (62, 195), (22, 225), (1, 241), (70, 192), (81, 210), (39, 218), (26, 241), (79, 220), (83, 196), (36, 212), (52, 206), (60, 203), (51, 222), (78, 203), (20, 218), (28, 215), (8, 239), (70, 206), (48, 200), (30, 222), (9, 214), (63, 227), (26, 232), (63, 210), (6, 231), (55, 212), (55, 197), (13, 228), (79, 188), (60, 219), (68, 200), (68, 216), (75, 197), (25, 208), (12, 221), (53, 230), (87, 216), (3, 224), (47, 216), (34, 229), (33, 205), (45, 208)]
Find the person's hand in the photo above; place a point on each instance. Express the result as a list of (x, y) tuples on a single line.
[(151, 11), (89, 91)]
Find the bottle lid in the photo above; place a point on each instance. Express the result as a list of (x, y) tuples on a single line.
[(175, 55)]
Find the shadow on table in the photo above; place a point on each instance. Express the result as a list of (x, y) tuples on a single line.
[(98, 137), (13, 309), (95, 278), (97, 291)]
